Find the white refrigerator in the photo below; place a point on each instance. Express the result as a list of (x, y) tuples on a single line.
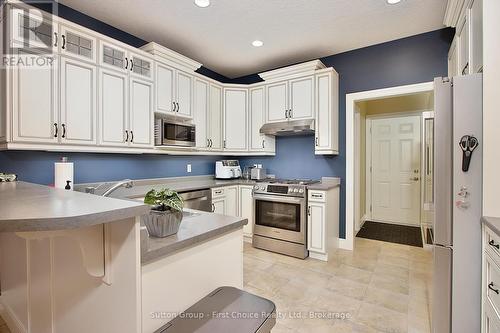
[(456, 301)]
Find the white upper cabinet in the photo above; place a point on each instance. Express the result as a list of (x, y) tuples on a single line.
[(35, 112), (463, 45), (258, 141), (215, 117), (292, 99), (75, 43), (453, 59), (174, 91), (235, 119), (113, 108), (113, 56), (277, 101), (33, 28), (78, 95), (301, 98), (476, 35), (184, 94), (141, 113), (164, 88), (201, 104), (327, 114), (141, 66)]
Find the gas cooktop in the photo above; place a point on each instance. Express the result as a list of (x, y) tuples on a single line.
[(288, 181)]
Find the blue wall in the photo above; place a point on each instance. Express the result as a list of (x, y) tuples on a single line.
[(410, 60)]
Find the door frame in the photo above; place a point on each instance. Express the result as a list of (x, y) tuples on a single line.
[(352, 156), (368, 145)]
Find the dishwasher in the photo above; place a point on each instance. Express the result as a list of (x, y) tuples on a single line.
[(198, 199)]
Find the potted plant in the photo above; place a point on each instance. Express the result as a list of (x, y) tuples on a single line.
[(165, 216)]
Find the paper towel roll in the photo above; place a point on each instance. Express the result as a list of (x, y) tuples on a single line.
[(63, 171)]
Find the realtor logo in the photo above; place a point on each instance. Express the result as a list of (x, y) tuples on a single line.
[(32, 34)]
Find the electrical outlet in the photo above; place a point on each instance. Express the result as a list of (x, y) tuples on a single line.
[(188, 168)]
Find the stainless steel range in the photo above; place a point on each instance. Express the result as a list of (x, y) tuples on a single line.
[(281, 216)]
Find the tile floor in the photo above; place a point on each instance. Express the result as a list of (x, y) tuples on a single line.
[(379, 287)]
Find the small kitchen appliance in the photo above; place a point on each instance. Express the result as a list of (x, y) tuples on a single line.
[(258, 172), (280, 208), (227, 169)]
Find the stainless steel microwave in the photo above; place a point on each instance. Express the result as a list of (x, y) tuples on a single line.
[(171, 133)]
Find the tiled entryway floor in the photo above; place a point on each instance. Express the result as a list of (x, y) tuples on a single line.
[(379, 287)]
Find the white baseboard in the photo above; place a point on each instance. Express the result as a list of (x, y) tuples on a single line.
[(11, 320), (345, 245), (247, 238), (318, 256)]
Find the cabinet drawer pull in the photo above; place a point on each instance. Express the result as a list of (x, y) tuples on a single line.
[(318, 196), (218, 192), (64, 131), (492, 243), (64, 42), (56, 130), (490, 286)]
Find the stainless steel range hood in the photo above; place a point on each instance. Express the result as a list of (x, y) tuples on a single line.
[(288, 128)]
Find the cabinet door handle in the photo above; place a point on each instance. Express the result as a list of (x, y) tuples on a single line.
[(126, 133), (309, 210), (55, 39), (64, 42), (211, 143), (213, 208), (55, 130), (126, 63), (64, 131), (131, 64), (290, 114), (225, 144), (132, 136), (178, 106), (263, 144), (286, 113), (317, 142), (492, 243), (208, 143), (490, 286)]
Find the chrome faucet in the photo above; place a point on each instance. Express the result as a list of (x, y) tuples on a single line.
[(127, 183)]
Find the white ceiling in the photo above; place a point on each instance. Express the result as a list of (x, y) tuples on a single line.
[(220, 35)]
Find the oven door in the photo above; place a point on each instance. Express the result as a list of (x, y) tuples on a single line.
[(178, 134), (280, 217)]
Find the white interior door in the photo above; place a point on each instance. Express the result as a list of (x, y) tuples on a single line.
[(395, 161)]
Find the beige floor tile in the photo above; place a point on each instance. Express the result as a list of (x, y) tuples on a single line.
[(353, 273), (391, 283), (346, 326), (388, 299), (382, 319), (347, 287)]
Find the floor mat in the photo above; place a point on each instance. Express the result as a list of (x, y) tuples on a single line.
[(393, 233)]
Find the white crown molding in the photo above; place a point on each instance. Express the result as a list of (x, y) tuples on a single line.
[(453, 10), (305, 68), (161, 51)]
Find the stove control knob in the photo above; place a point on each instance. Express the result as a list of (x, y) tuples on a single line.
[(301, 190), (256, 187), (263, 188)]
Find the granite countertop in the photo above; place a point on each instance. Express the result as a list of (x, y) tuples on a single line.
[(31, 207), (326, 184), (196, 227), (493, 223)]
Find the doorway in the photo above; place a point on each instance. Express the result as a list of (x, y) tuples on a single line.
[(393, 191)]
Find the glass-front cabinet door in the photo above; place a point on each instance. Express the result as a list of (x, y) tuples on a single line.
[(113, 57), (78, 44)]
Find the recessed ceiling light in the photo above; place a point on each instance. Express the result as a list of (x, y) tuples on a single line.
[(202, 3), (257, 43), (393, 2)]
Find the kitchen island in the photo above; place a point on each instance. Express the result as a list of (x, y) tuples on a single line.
[(72, 262)]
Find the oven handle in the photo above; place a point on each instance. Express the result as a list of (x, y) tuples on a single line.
[(280, 199)]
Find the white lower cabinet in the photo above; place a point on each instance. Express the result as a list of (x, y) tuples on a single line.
[(225, 200), (491, 282), (322, 223), (246, 208)]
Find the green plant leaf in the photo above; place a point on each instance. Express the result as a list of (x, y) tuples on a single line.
[(164, 199)]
